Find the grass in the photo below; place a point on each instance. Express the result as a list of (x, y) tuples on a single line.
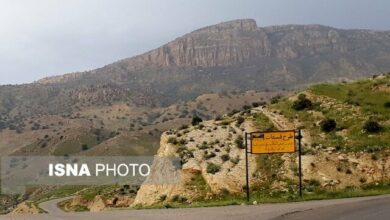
[(60, 192), (91, 192), (262, 122), (265, 196), (353, 104)]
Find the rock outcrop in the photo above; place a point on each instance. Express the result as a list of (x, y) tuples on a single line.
[(219, 45)]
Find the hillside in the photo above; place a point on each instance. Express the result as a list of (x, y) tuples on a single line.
[(351, 155), (345, 158)]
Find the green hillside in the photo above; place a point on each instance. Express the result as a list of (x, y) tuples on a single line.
[(360, 110)]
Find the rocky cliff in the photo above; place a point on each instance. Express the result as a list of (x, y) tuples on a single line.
[(234, 55)]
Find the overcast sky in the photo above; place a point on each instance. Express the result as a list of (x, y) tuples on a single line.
[(41, 38)]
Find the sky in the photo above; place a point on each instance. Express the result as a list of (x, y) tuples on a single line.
[(42, 38)]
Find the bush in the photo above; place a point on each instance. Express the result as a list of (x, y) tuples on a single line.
[(275, 99), (240, 120), (246, 107), (172, 140), (235, 160), (239, 142), (163, 198), (209, 155), (387, 104), (196, 120), (313, 185), (225, 157), (302, 103), (372, 126), (218, 118), (255, 104), (328, 125), (84, 147), (213, 168)]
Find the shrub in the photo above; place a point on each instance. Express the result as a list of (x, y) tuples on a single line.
[(255, 104), (163, 198), (302, 103), (218, 118), (328, 125), (275, 99), (84, 147), (183, 127), (172, 140), (209, 155), (372, 126), (387, 104), (313, 184), (213, 168), (225, 157), (239, 142), (240, 120), (235, 160), (246, 107), (196, 120), (175, 198)]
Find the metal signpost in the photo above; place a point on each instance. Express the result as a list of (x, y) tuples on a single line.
[(270, 143)]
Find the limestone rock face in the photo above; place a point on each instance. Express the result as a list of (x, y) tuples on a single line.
[(220, 143), (219, 45)]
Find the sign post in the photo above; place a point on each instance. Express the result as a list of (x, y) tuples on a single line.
[(246, 167), (300, 162), (270, 143)]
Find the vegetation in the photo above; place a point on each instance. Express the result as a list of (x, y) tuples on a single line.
[(225, 157), (302, 103), (312, 191), (240, 142), (196, 120), (350, 105), (213, 168), (328, 125), (263, 123), (372, 126)]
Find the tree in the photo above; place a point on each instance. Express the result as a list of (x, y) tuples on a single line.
[(196, 120), (328, 125), (301, 103), (372, 126), (84, 147)]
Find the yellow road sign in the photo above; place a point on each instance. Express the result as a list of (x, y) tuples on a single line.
[(273, 142)]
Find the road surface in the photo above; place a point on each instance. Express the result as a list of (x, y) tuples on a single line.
[(377, 208)]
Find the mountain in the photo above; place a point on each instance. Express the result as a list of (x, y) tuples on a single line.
[(162, 85), (234, 55)]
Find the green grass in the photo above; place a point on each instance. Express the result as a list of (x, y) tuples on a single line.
[(265, 196), (354, 103), (104, 190), (61, 191), (262, 122), (74, 146), (360, 93)]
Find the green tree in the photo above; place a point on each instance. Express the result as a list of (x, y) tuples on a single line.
[(196, 120), (302, 103), (372, 126), (328, 125)]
